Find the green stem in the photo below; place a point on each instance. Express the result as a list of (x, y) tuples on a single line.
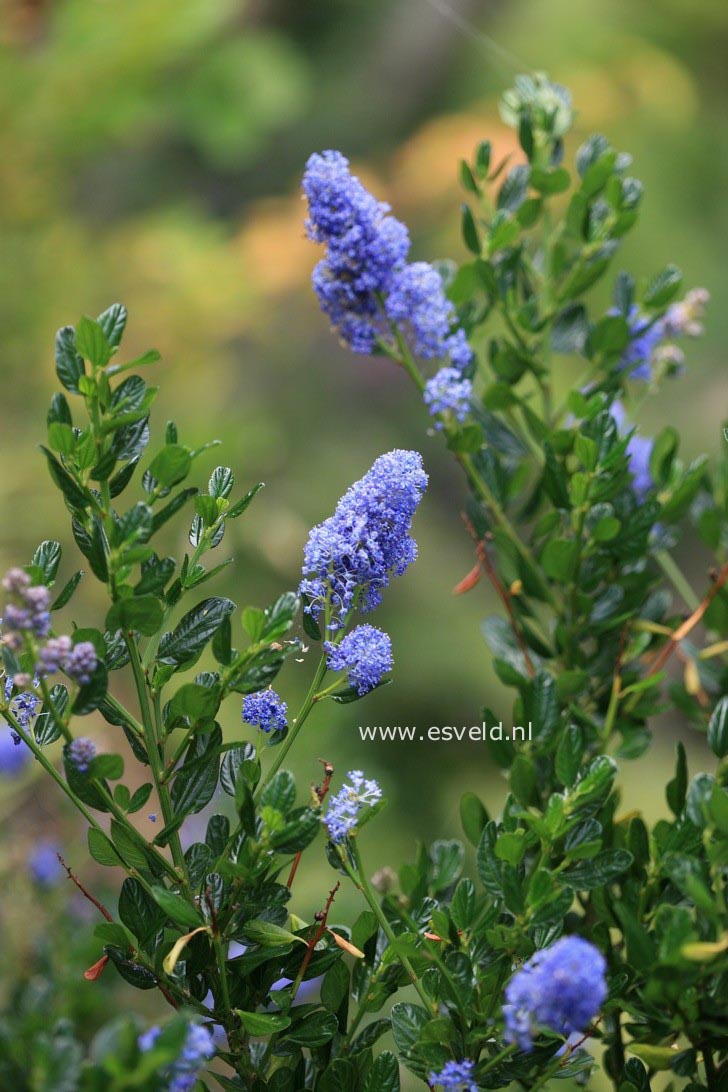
[(156, 760), (48, 766), (499, 1057), (131, 721), (359, 878), (675, 576), (284, 748)]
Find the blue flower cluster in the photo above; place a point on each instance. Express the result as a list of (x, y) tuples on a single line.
[(418, 305), (351, 556), (456, 1077), (365, 654), (639, 450), (28, 610), (13, 752), (364, 248), (344, 809), (60, 654), (181, 1075), (651, 339), (561, 988), (81, 753), (364, 283), (447, 391), (266, 710)]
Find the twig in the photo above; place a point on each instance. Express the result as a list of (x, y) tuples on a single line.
[(87, 894), (320, 792), (320, 917), (487, 565), (689, 624)]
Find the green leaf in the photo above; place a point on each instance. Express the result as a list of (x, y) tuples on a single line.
[(197, 703), (268, 935), (335, 986), (407, 1023), (663, 288), (469, 230), (107, 766), (129, 846), (171, 465), (718, 728), (72, 491), (473, 817), (46, 728), (176, 908), (239, 507), (676, 790), (314, 1030), (139, 912), (384, 1074), (69, 365), (47, 558), (599, 871), (102, 849), (463, 905), (569, 755), (143, 613), (559, 559), (550, 181), (92, 343), (263, 1023), (113, 323), (195, 782), (194, 631), (65, 594)]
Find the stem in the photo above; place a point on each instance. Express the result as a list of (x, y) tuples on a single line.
[(48, 766), (131, 722), (284, 748), (156, 762), (360, 880), (483, 490), (675, 576)]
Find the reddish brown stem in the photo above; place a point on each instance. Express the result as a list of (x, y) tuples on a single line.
[(320, 793), (313, 940), (87, 894), (689, 624), (489, 569)]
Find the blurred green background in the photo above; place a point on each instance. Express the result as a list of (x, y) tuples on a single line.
[(153, 151)]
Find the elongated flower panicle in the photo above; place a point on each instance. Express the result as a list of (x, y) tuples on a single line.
[(365, 654), (364, 283), (418, 305), (351, 556), (561, 988), (639, 451), (456, 1077), (364, 246), (81, 753), (448, 392), (266, 710), (198, 1048), (345, 808)]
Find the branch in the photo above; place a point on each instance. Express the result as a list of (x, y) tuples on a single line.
[(487, 566), (689, 624)]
